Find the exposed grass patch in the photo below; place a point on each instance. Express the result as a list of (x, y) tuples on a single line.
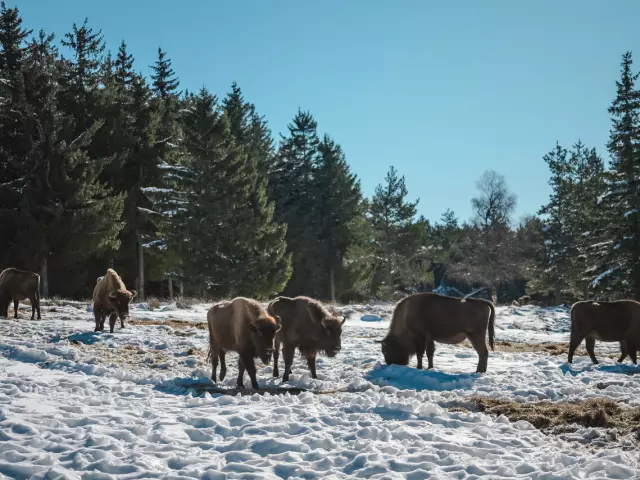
[(176, 324), (153, 303), (185, 303), (561, 348), (547, 415)]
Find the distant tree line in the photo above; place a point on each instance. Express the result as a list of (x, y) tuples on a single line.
[(188, 193)]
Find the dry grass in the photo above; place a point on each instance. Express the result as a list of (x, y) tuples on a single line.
[(153, 303), (185, 303), (598, 412), (176, 324), (561, 348)]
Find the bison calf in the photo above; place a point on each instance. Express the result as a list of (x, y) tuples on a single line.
[(307, 326), (18, 285), (606, 321), (422, 319), (242, 326), (111, 297)]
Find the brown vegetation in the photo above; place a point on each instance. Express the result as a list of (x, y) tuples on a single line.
[(422, 319), (597, 412)]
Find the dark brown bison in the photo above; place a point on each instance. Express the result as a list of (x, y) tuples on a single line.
[(111, 297), (19, 285), (542, 299), (242, 326), (308, 326), (524, 300), (606, 321), (422, 319)]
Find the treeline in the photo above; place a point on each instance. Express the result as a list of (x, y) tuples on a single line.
[(187, 192)]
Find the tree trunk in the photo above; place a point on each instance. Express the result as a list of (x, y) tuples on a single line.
[(170, 289), (332, 286), (585, 292), (558, 293), (140, 269), (182, 289), (44, 277)]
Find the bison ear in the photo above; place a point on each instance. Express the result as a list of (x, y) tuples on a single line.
[(323, 323), (133, 294), (252, 327), (113, 294)]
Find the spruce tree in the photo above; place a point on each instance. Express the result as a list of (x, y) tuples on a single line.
[(12, 39)]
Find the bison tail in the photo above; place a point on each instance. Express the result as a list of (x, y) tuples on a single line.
[(492, 332)]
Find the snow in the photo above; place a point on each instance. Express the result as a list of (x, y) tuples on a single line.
[(139, 404), (157, 190), (596, 281)]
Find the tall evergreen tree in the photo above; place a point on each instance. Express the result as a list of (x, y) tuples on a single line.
[(12, 39)]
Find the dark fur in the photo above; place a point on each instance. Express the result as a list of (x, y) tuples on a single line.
[(19, 285), (524, 300), (111, 298), (308, 326), (606, 321), (422, 319), (241, 326)]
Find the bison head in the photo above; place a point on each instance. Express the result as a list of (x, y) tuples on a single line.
[(262, 334), (330, 338), (121, 300), (393, 351)]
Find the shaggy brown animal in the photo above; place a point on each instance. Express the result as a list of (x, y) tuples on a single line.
[(515, 303), (308, 326), (111, 297), (242, 326), (524, 300), (19, 285), (424, 318), (606, 321)]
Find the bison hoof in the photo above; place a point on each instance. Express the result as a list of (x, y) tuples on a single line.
[(223, 373), (276, 373), (255, 386), (111, 330)]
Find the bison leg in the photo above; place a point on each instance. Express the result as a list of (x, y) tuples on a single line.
[(633, 351), (420, 351), (112, 321), (575, 341), (98, 317), (276, 355), (241, 368), (431, 350), (16, 304), (590, 343), (311, 362), (287, 353), (214, 365), (623, 351), (37, 304), (223, 365), (480, 345), (251, 370)]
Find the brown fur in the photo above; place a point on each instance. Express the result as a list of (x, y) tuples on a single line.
[(524, 300), (19, 285), (111, 298), (542, 299), (606, 321), (241, 326), (308, 326), (422, 319)]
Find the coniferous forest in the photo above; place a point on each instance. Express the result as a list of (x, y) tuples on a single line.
[(190, 193)]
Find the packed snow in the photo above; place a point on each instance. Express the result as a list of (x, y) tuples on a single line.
[(139, 403)]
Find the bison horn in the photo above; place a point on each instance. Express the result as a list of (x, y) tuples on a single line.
[(112, 294), (133, 294), (344, 318), (279, 328)]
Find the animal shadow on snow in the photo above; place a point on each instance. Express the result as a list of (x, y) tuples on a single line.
[(577, 369), (88, 338), (410, 378), (181, 386)]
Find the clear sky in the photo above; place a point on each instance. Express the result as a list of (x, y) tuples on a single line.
[(443, 90)]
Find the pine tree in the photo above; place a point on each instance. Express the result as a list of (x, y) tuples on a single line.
[(292, 189), (124, 75), (618, 258), (165, 84), (12, 39)]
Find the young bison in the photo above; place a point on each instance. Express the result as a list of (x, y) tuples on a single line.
[(606, 321), (111, 297), (18, 285), (424, 318), (307, 326), (242, 326)]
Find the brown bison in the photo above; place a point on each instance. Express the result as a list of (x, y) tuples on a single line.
[(424, 318), (307, 326), (242, 326), (606, 321), (19, 285), (524, 300), (111, 297)]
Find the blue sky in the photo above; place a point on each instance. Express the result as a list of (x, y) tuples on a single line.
[(443, 90)]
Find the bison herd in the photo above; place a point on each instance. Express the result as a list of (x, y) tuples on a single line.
[(244, 326)]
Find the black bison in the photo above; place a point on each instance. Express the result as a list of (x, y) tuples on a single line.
[(241, 326), (111, 297), (308, 326), (19, 285), (422, 319), (606, 321)]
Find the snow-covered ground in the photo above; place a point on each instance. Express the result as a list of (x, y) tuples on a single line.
[(134, 404)]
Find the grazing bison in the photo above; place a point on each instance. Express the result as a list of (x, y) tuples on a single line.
[(111, 297), (606, 321), (242, 326), (424, 318), (524, 300), (307, 326), (19, 285)]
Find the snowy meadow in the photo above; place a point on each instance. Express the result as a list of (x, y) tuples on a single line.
[(139, 404)]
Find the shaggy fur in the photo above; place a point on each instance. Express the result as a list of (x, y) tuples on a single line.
[(19, 285), (111, 298)]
